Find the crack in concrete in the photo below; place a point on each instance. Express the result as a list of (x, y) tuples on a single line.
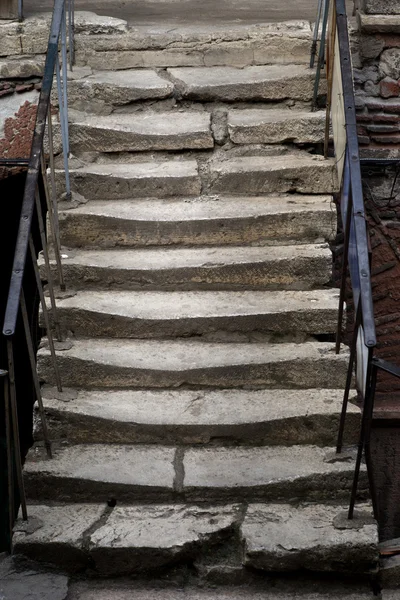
[(179, 469)]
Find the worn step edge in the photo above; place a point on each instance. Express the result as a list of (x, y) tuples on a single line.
[(130, 314), (134, 473), (198, 417), (138, 539), (301, 267), (265, 220), (110, 363)]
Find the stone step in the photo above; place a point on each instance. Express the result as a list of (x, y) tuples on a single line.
[(131, 540), (141, 314), (270, 417), (228, 84), (113, 88), (268, 220), (257, 175), (260, 126), (236, 45), (141, 132), (134, 180), (301, 267), (111, 363), (98, 473), (21, 67), (280, 590)]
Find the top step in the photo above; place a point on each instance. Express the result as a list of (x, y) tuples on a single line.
[(236, 45)]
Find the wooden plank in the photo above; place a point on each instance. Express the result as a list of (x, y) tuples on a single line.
[(8, 9)]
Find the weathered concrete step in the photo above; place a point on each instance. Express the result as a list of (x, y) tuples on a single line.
[(135, 180), (131, 314), (112, 363), (302, 173), (255, 126), (301, 267), (117, 88), (234, 45), (149, 131), (138, 539), (268, 220), (97, 472), (272, 417), (272, 82)]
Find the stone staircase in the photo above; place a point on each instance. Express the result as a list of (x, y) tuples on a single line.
[(202, 392)]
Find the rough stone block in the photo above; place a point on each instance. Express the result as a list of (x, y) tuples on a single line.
[(315, 537)]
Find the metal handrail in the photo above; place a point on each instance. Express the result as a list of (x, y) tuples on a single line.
[(356, 256), (37, 187)]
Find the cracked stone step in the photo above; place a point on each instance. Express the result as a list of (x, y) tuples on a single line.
[(143, 132), (127, 540), (136, 539), (255, 126), (139, 473), (111, 363), (114, 88), (130, 314), (228, 84), (233, 45), (192, 416), (301, 267), (268, 220), (134, 180), (317, 537), (302, 173)]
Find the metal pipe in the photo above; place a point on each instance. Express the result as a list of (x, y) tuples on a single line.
[(321, 57), (64, 71), (48, 266), (53, 226), (15, 428), (64, 131), (71, 26), (346, 199), (315, 36), (349, 377), (45, 314), (32, 360), (366, 417), (20, 10), (10, 473)]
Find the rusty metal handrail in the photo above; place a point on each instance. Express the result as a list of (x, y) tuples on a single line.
[(37, 187), (356, 255)]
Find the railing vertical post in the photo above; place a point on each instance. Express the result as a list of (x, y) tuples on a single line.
[(10, 468), (346, 201), (15, 427)]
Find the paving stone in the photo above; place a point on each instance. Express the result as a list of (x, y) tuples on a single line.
[(255, 126), (56, 534), (274, 82), (271, 473), (199, 416), (146, 538), (116, 181), (199, 221), (149, 131), (304, 173), (284, 538), (99, 472), (119, 87), (301, 267), (130, 314), (276, 590), (159, 364), (32, 585)]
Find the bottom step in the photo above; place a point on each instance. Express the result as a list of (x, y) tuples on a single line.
[(268, 590), (133, 539)]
